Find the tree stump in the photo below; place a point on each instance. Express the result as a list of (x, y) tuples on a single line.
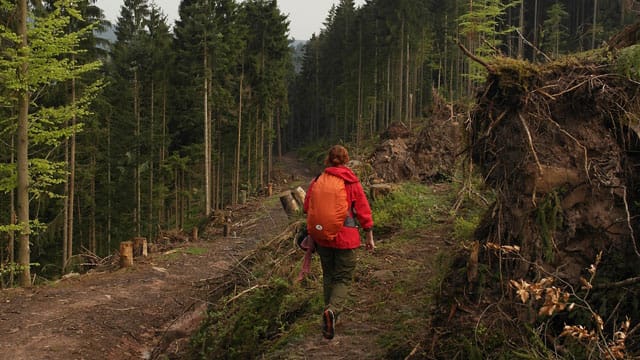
[(243, 197), (289, 204), (377, 191), (140, 246), (194, 234), (126, 254), (299, 194), (270, 189)]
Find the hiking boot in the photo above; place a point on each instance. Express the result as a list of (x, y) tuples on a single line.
[(328, 324)]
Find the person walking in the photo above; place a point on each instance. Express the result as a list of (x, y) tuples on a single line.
[(335, 200)]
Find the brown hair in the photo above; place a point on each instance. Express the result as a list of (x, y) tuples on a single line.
[(338, 155)]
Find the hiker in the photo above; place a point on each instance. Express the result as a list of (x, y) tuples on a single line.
[(335, 200)]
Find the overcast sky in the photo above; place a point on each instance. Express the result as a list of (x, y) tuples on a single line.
[(305, 16)]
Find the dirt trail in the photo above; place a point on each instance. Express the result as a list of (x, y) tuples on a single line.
[(133, 313)]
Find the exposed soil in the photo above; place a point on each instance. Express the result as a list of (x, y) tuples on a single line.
[(142, 311)]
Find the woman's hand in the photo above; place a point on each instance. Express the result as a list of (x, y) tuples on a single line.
[(369, 243)]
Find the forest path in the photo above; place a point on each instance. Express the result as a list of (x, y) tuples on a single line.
[(135, 312), (392, 300)]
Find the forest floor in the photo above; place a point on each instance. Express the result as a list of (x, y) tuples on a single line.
[(136, 312), (150, 310)]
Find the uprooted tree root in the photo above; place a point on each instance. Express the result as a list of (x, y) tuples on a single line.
[(558, 143)]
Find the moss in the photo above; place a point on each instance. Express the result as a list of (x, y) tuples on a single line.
[(627, 62), (549, 219)]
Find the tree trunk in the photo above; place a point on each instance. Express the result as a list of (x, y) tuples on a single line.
[(72, 173), (520, 39), (289, 204), (12, 210), (595, 24), (151, 161), (279, 131), (236, 188), (126, 254), (207, 137), (136, 112), (163, 151), (23, 158), (92, 232), (109, 193)]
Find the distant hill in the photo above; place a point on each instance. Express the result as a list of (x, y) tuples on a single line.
[(109, 34)]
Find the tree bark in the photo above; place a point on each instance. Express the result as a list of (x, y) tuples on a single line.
[(207, 135), (289, 204), (72, 177), (126, 254), (236, 188), (23, 157), (136, 112)]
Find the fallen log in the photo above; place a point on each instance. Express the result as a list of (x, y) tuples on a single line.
[(289, 204)]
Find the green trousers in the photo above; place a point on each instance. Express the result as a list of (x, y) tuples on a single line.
[(338, 266)]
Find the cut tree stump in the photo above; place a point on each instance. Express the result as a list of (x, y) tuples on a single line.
[(194, 234), (377, 191), (289, 204), (299, 194), (126, 254), (140, 246)]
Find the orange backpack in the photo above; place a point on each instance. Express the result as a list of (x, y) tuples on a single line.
[(328, 207)]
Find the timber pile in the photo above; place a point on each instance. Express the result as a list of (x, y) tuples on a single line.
[(559, 144)]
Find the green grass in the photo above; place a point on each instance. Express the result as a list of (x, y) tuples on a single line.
[(410, 207)]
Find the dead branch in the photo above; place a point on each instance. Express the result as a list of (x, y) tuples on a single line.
[(475, 58), (533, 150), (533, 46), (626, 207), (245, 291), (617, 284)]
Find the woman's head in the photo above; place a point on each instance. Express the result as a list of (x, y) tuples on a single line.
[(338, 155)]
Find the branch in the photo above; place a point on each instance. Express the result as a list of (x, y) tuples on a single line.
[(623, 283), (475, 58)]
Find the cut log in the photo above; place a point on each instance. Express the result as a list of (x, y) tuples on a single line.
[(299, 194), (126, 254), (140, 246), (378, 191), (289, 204)]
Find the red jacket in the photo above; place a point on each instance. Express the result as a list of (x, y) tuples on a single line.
[(348, 237)]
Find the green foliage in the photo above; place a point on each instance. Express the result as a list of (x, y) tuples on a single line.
[(627, 62), (463, 229), (549, 219), (554, 33), (485, 27), (244, 327)]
